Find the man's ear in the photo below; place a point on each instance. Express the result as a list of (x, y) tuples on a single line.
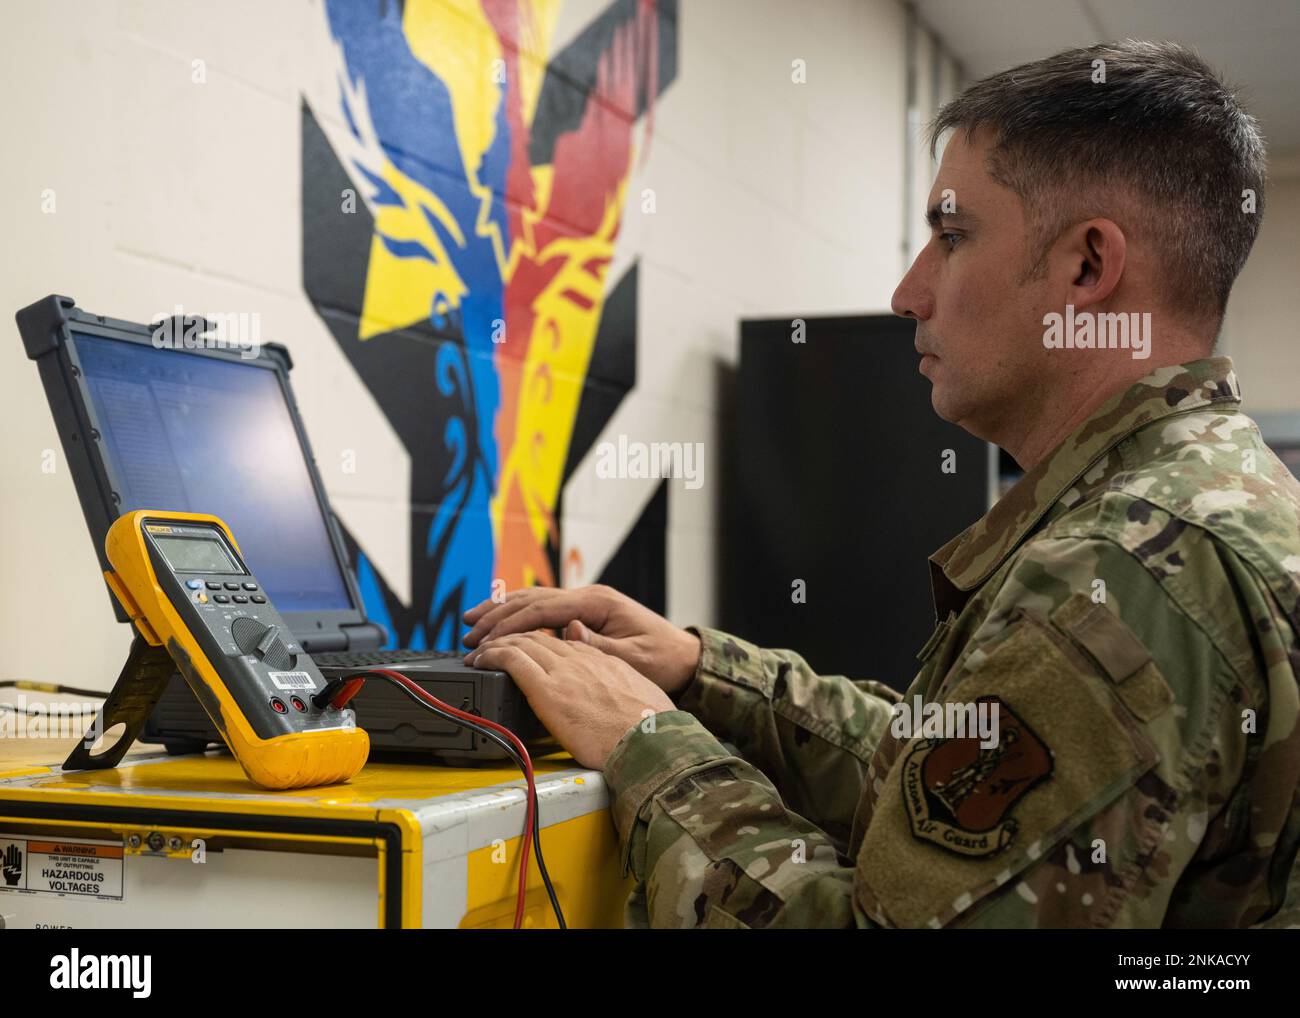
[(1090, 258)]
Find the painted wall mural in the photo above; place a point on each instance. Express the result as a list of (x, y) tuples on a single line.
[(468, 284)]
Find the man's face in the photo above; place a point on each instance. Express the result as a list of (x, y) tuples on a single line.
[(979, 323)]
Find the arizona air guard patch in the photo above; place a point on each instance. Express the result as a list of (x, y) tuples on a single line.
[(959, 794)]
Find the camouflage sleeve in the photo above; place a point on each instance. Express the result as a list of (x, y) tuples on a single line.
[(710, 841), (812, 735)]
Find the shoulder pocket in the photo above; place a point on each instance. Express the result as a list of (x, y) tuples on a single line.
[(1118, 653), (964, 810)]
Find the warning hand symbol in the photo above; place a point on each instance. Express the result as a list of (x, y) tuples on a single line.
[(13, 865)]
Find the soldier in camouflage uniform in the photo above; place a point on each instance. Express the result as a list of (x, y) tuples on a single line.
[(1128, 610)]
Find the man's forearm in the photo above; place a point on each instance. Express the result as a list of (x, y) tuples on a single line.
[(811, 735), (712, 841)]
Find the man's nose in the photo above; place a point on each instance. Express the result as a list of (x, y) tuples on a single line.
[(912, 299)]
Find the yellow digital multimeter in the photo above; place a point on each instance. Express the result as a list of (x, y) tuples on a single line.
[(183, 581)]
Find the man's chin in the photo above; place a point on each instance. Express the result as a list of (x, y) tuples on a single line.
[(942, 403), (927, 368), (940, 411)]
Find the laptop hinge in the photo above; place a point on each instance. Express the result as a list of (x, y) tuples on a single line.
[(364, 636), (320, 642)]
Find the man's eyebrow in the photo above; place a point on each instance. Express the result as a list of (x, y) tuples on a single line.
[(936, 217)]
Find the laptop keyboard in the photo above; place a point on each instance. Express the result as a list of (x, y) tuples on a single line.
[(368, 658)]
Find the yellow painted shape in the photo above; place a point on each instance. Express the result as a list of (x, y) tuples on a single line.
[(582, 858), (559, 353), (399, 291)]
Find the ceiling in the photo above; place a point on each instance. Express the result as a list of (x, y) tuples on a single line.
[(1252, 43)]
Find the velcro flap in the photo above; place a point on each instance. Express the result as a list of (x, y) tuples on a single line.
[(1123, 658), (1099, 631)]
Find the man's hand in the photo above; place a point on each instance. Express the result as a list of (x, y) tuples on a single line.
[(586, 699), (598, 616)]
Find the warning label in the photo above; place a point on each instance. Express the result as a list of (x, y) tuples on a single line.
[(92, 868)]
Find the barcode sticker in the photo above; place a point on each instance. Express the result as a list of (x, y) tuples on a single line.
[(292, 680)]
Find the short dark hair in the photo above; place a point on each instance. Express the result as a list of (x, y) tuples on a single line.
[(1162, 125)]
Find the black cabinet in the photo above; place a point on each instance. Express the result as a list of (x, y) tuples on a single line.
[(835, 477)]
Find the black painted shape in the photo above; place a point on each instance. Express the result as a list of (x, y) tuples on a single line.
[(571, 74), (335, 244), (640, 567), (612, 372)]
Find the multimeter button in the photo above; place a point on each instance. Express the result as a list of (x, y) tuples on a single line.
[(194, 584), (232, 586), (257, 599), (278, 705), (250, 586), (240, 599), (298, 704), (213, 585), (221, 598)]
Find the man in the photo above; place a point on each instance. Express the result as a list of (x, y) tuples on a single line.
[(1122, 624)]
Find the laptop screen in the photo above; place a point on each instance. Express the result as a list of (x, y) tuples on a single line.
[(202, 434)]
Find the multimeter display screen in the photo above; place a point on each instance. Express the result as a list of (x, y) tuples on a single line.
[(196, 555)]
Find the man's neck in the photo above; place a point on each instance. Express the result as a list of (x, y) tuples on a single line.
[(1032, 445), (1032, 433)]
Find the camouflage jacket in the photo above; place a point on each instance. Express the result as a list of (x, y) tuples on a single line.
[(1128, 610)]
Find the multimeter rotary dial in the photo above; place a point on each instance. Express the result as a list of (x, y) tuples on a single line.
[(262, 641)]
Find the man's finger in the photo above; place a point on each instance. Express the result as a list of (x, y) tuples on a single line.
[(491, 603), (497, 610), (543, 649), (512, 660), (549, 641), (474, 613), (553, 611), (511, 596), (583, 639)]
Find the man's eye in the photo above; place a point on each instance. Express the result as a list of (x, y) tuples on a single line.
[(950, 239)]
